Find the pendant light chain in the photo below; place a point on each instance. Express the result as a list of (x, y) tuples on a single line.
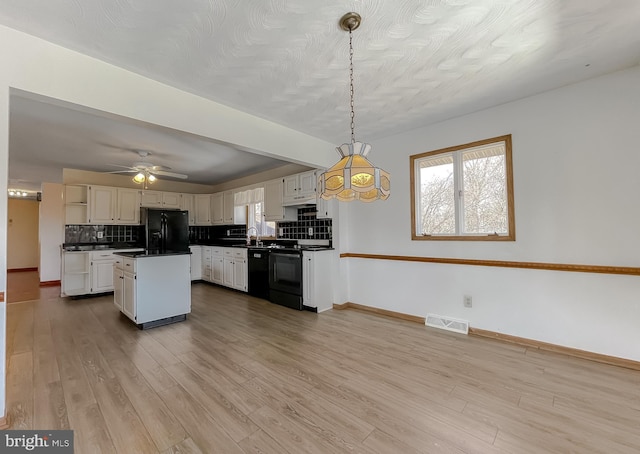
[(353, 114)]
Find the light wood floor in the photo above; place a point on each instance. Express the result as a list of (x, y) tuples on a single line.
[(25, 286), (243, 375)]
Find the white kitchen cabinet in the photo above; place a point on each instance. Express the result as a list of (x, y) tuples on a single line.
[(235, 269), (227, 275), (188, 203), (232, 214), (317, 282), (299, 188), (76, 274), (102, 204), (89, 272), (118, 286), (325, 209), (171, 200), (156, 288), (217, 266), (102, 271), (240, 274), (151, 199), (128, 206), (76, 204), (203, 209), (196, 262), (273, 208), (217, 208), (206, 263), (129, 295)]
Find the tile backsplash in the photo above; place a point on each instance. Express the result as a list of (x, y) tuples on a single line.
[(299, 230), (110, 233)]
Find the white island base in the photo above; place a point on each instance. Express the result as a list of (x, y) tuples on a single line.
[(153, 290)]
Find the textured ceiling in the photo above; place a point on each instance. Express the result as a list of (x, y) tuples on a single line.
[(416, 62)]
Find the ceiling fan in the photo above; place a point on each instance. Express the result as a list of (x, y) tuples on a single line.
[(146, 172)]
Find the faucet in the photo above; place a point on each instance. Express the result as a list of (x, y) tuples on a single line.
[(249, 236)]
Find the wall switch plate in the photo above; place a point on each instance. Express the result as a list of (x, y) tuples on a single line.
[(310, 231), (281, 231), (468, 302)]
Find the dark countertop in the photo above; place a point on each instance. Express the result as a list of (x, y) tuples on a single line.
[(141, 254), (72, 247)]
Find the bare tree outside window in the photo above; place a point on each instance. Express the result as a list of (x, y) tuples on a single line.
[(464, 192)]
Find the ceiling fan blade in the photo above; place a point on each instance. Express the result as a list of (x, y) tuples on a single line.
[(122, 171), (170, 174), (157, 168)]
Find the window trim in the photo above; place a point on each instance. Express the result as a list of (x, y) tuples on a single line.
[(511, 218)]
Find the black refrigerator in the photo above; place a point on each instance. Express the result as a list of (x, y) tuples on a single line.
[(165, 231)]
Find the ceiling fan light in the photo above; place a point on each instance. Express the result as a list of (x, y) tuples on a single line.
[(151, 178), (139, 178), (12, 192)]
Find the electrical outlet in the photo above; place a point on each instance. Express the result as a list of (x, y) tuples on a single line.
[(310, 231), (467, 301), (100, 234)]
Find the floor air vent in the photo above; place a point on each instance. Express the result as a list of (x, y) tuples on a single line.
[(448, 323)]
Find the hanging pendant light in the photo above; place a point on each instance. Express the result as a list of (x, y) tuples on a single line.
[(353, 177)]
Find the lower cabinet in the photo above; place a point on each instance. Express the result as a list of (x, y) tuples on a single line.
[(196, 262), (317, 282), (76, 274), (118, 286), (226, 266), (227, 276), (89, 272), (240, 281), (129, 295), (152, 290), (235, 268), (217, 266), (102, 272)]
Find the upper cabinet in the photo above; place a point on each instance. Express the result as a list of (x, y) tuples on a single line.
[(217, 208), (160, 199), (76, 204), (273, 208), (300, 188), (171, 200), (128, 206), (151, 199), (202, 209), (188, 203), (102, 204), (233, 214)]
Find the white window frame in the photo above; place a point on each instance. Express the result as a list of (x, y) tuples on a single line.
[(456, 154)]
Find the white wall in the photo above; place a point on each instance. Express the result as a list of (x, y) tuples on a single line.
[(576, 161), (51, 232)]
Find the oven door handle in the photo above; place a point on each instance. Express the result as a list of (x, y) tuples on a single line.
[(284, 254)]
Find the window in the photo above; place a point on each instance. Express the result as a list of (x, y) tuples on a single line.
[(463, 192), (256, 219), (254, 200)]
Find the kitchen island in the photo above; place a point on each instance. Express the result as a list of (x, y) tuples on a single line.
[(152, 289)]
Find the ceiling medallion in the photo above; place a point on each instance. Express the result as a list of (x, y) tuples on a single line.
[(353, 177)]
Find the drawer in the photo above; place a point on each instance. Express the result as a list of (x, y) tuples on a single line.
[(239, 252), (118, 262), (129, 264), (216, 250), (101, 255)]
